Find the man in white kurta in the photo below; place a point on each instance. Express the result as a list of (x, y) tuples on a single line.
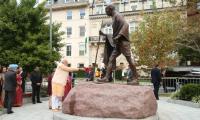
[(59, 81)]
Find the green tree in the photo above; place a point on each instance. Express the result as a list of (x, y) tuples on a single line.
[(189, 40), (155, 39), (24, 35)]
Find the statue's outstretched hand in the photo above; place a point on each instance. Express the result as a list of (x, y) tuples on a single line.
[(116, 39), (101, 33)]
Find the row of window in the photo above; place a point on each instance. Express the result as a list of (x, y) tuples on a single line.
[(100, 8), (81, 31), (132, 27), (70, 14), (65, 1), (82, 49), (79, 65), (107, 29)]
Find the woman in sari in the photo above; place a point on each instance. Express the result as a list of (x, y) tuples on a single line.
[(68, 86), (19, 92)]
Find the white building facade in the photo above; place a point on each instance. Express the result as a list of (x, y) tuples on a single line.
[(81, 21), (74, 19)]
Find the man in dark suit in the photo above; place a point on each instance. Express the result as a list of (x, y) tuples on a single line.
[(36, 79), (156, 79), (10, 86)]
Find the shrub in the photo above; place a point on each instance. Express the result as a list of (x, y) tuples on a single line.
[(188, 91), (79, 74), (118, 74), (175, 95), (196, 99)]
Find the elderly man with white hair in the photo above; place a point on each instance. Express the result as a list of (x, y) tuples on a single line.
[(59, 81), (9, 87)]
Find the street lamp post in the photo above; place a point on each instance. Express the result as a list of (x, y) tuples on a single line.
[(50, 31)]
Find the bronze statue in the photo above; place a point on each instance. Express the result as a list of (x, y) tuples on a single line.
[(108, 48), (121, 44)]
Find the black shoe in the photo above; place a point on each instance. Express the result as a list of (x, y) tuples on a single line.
[(10, 112), (133, 82), (39, 102), (33, 102), (103, 80)]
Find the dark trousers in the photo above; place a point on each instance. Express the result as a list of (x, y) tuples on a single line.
[(8, 101), (23, 85), (156, 86), (123, 47), (35, 92)]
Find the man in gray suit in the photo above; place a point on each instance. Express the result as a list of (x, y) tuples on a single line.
[(10, 86)]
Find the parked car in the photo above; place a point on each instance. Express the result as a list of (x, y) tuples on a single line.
[(194, 73), (177, 76)]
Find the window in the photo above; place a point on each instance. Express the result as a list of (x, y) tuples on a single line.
[(82, 30), (82, 13), (198, 5), (134, 1), (107, 1), (69, 65), (133, 26), (69, 31), (116, 7), (66, 1), (124, 1), (49, 2), (68, 50), (134, 7), (151, 6), (69, 15), (99, 9), (81, 49), (108, 29), (80, 65)]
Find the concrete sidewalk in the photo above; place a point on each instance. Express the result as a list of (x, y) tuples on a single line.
[(40, 111)]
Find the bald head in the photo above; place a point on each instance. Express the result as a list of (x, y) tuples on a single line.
[(110, 9), (64, 61)]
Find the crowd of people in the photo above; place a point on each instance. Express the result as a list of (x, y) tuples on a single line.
[(59, 83), (12, 82), (11, 92), (12, 86)]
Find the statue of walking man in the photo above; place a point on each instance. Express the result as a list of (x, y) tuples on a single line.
[(122, 44)]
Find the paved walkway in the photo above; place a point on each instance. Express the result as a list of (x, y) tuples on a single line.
[(166, 111)]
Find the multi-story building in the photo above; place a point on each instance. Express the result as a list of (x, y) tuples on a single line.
[(82, 19), (73, 16)]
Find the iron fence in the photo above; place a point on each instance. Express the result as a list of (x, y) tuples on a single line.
[(171, 84)]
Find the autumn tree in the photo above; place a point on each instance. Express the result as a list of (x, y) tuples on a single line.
[(155, 39), (189, 41)]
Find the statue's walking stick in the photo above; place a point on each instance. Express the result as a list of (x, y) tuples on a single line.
[(98, 43)]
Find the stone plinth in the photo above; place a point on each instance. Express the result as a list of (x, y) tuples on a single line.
[(110, 101)]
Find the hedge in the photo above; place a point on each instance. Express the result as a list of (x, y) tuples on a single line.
[(188, 91), (81, 74)]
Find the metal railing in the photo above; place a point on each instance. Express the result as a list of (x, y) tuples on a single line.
[(170, 84)]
